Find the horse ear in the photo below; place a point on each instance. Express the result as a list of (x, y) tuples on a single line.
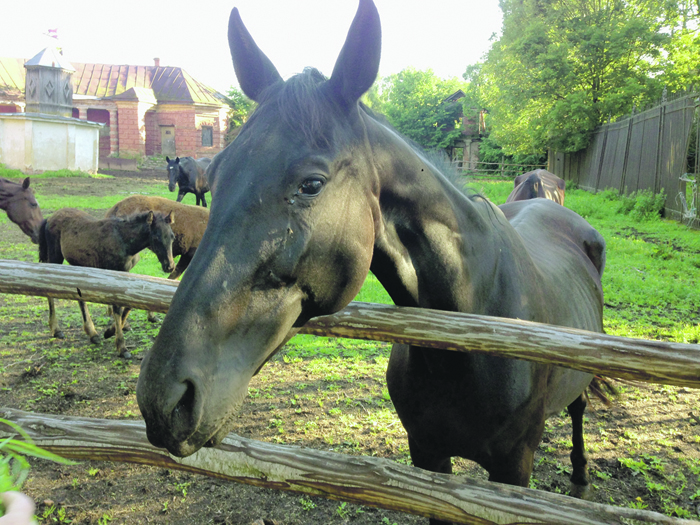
[(150, 217), (25, 183), (170, 218), (177, 160), (358, 63), (253, 69), (167, 159)]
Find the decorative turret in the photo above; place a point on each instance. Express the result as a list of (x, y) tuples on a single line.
[(49, 84)]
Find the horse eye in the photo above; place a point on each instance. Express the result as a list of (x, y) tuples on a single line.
[(311, 187)]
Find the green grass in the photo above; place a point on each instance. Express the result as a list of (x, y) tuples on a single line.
[(649, 289), (10, 173)]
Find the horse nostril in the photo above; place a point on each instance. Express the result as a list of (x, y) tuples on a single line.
[(184, 417)]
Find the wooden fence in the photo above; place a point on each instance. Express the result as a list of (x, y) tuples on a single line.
[(371, 481), (644, 152)]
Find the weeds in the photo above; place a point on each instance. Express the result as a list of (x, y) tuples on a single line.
[(14, 466)]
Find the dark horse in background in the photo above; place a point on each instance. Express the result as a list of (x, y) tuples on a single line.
[(110, 244), (538, 183), (189, 175), (314, 193), (20, 204)]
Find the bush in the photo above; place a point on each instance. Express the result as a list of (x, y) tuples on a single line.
[(641, 205)]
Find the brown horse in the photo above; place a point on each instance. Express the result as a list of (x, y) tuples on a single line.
[(315, 192), (538, 183), (21, 206), (188, 230), (110, 244)]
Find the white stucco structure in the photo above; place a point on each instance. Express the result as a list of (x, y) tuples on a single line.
[(36, 142)]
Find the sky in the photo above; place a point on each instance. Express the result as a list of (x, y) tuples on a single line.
[(443, 35)]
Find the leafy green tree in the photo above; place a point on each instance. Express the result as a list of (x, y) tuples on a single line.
[(415, 103), (241, 107), (562, 67)]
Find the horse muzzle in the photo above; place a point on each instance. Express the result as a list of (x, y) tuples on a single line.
[(169, 266)]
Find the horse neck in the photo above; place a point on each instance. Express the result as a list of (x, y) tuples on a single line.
[(135, 233), (438, 248)]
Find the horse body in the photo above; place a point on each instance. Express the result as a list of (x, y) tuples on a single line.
[(110, 244), (21, 206), (538, 184), (189, 174), (312, 193)]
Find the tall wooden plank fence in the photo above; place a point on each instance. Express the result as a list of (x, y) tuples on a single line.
[(646, 151)]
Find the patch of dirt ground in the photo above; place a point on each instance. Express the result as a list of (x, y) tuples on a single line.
[(643, 450)]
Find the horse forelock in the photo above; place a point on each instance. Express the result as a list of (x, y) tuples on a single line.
[(301, 104)]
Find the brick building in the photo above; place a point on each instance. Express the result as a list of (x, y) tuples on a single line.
[(146, 110)]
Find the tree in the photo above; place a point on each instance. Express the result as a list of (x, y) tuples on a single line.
[(415, 103), (562, 67), (241, 107)]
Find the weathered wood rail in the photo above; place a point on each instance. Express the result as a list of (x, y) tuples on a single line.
[(636, 359), (360, 479), (366, 480)]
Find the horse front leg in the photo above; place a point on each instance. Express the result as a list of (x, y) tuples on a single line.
[(53, 322), (430, 461), (514, 465), (204, 200), (580, 486), (88, 325), (119, 318)]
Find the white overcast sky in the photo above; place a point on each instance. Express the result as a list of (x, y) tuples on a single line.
[(444, 35)]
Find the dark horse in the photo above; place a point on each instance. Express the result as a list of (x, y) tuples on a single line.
[(315, 192), (109, 244), (538, 183), (189, 175), (188, 230), (21, 206)]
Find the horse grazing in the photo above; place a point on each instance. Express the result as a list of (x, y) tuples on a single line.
[(21, 206), (314, 193), (190, 175), (538, 183), (110, 244), (188, 230)]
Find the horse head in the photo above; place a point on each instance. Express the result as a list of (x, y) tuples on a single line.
[(161, 238), (290, 237), (173, 172), (22, 208)]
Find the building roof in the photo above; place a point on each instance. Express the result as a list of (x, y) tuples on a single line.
[(12, 79), (50, 57), (168, 84)]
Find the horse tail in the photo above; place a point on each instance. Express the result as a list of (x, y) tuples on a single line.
[(43, 243)]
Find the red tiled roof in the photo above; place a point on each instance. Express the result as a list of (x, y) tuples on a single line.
[(169, 84)]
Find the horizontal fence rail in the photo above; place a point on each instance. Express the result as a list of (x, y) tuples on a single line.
[(636, 359), (359, 479)]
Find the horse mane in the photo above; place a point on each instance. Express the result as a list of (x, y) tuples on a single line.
[(437, 158)]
